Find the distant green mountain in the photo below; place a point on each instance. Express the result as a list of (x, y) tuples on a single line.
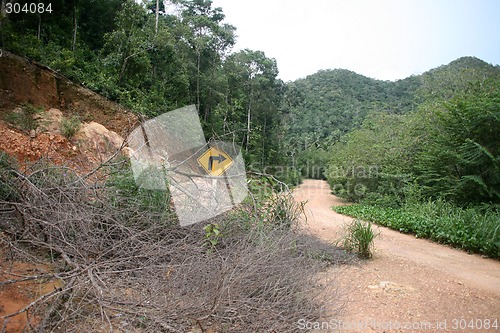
[(463, 63), (443, 82), (325, 105)]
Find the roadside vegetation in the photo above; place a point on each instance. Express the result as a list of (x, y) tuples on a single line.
[(70, 126), (434, 172), (152, 64), (471, 229)]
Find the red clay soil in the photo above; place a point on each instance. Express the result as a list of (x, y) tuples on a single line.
[(16, 296), (27, 150), (411, 284), (23, 81)]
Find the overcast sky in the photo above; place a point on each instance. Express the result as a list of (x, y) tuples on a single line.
[(382, 39)]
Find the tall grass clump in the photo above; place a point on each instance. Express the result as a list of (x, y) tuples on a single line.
[(70, 126), (358, 236)]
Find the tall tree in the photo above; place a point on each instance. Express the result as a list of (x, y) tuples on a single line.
[(209, 39), (255, 93)]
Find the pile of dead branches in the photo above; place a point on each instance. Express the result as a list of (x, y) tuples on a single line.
[(124, 264)]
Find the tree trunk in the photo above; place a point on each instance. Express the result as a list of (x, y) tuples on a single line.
[(248, 126), (263, 138), (156, 33), (198, 80), (39, 32), (122, 70), (75, 26), (157, 13), (2, 8)]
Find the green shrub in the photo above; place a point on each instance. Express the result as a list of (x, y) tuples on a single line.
[(282, 211), (7, 192), (135, 201), (212, 235), (70, 126)]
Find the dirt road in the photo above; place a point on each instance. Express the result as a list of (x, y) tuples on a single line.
[(411, 285)]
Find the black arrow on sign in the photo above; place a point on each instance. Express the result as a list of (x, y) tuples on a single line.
[(211, 160)]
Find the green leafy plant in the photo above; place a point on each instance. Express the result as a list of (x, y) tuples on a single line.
[(212, 234), (124, 191), (358, 236), (70, 126), (7, 191)]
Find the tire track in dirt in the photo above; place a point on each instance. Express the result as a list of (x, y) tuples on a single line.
[(409, 282)]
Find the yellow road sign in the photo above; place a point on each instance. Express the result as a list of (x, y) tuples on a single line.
[(215, 161)]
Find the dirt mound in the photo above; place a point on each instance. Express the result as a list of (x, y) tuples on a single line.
[(26, 149), (52, 121), (91, 145), (25, 82)]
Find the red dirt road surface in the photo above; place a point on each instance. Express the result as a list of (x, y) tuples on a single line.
[(410, 285)]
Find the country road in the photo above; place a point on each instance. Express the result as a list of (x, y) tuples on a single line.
[(411, 285)]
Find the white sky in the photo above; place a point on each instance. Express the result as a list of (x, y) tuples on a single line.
[(383, 39)]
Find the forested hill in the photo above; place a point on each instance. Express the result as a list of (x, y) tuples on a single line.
[(426, 157), (324, 106)]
